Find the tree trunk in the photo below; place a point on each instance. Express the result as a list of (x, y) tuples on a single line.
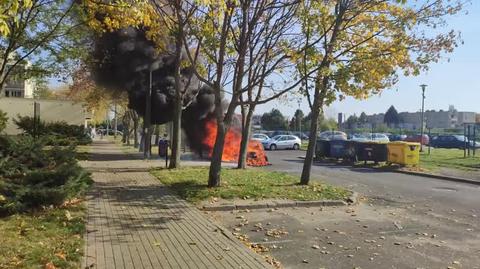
[(129, 132), (141, 147), (246, 129), (135, 129), (157, 134), (216, 161), (126, 127), (177, 118), (177, 135), (312, 140), (147, 120)]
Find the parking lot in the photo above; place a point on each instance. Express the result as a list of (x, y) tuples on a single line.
[(403, 221)]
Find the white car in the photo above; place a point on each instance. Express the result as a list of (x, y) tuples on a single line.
[(260, 137), (332, 135), (375, 137), (283, 142)]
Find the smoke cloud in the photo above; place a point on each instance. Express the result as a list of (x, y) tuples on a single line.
[(123, 61)]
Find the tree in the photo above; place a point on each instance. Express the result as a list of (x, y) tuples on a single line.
[(273, 120), (36, 37), (42, 91), (268, 48), (174, 15), (292, 124), (352, 121), (298, 116), (9, 14), (212, 32), (363, 118), (391, 117), (359, 47)]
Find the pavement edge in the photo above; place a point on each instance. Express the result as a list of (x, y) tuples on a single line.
[(353, 199)]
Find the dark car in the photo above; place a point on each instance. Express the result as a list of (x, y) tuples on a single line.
[(418, 139), (396, 137), (452, 142)]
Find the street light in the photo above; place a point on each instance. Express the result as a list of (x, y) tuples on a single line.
[(423, 117), (298, 118)]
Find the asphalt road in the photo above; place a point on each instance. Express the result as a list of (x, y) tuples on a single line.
[(403, 221), (388, 186)]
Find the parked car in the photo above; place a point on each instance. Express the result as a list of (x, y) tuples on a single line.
[(275, 133), (418, 138), (110, 132), (302, 135), (369, 137), (332, 135), (394, 137), (452, 142), (283, 142), (359, 138), (260, 137)]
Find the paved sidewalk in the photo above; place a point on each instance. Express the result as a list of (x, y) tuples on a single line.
[(135, 222)]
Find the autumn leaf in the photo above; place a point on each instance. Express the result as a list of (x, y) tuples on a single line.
[(50, 265)]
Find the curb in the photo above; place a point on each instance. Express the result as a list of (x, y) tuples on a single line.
[(352, 200), (449, 178)]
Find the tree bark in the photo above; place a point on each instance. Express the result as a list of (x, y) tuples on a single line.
[(177, 118), (157, 134), (222, 125), (312, 140), (214, 179), (246, 129), (147, 120), (135, 129), (177, 135)]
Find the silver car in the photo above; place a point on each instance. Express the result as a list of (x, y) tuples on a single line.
[(332, 135), (260, 137), (375, 137), (283, 142)]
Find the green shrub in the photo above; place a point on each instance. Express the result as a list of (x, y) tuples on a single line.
[(34, 176), (3, 120), (56, 133)]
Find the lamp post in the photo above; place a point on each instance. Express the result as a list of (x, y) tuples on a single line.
[(299, 119), (423, 86)]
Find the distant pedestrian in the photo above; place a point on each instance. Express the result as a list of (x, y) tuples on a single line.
[(93, 132)]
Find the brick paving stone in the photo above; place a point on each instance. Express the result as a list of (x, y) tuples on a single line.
[(133, 221)]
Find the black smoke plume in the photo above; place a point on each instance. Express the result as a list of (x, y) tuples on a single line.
[(123, 61)]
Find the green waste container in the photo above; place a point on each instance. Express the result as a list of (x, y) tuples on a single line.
[(372, 151), (322, 149)]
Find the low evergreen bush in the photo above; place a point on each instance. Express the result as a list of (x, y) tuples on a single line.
[(33, 175), (55, 133)]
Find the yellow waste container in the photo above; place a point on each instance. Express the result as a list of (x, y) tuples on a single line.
[(404, 153)]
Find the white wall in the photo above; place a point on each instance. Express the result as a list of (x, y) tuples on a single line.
[(50, 110)]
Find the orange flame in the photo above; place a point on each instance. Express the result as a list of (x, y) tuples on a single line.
[(255, 154)]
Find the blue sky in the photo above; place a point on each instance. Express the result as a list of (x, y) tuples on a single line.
[(454, 80)]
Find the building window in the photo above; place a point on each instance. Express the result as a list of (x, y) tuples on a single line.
[(7, 93)]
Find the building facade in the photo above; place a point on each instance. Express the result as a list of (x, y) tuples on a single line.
[(441, 119), (16, 85)]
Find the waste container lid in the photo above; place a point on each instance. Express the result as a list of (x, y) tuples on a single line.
[(373, 142), (404, 143)]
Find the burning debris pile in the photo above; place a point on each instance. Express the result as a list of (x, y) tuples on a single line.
[(125, 59)]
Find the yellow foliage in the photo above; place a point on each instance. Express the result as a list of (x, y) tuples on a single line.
[(9, 11), (114, 15)]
